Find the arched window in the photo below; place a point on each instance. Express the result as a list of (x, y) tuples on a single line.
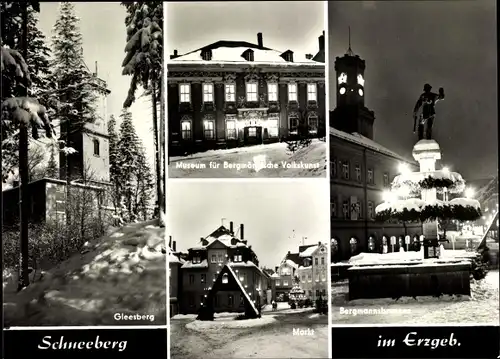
[(96, 147), (224, 278), (353, 244), (371, 244)]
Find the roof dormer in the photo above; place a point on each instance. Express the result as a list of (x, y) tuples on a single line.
[(248, 55), (287, 56), (206, 54)]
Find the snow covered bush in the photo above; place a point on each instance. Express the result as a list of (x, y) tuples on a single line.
[(480, 264)]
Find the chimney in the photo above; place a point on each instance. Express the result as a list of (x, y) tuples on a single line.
[(289, 252), (231, 228), (309, 56), (170, 241), (174, 246), (321, 40), (202, 239), (276, 269), (260, 42), (176, 54), (242, 233)]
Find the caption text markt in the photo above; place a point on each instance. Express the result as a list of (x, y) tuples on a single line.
[(241, 166), (412, 340), (62, 344)]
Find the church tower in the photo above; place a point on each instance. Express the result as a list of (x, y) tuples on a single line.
[(91, 160), (351, 115)]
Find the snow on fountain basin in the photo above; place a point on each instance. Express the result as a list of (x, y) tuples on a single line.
[(372, 260), (226, 322)]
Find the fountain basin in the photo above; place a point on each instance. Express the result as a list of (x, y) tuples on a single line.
[(427, 278)]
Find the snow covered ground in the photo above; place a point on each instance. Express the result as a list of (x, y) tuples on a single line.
[(273, 338), (120, 274), (481, 308), (248, 162)]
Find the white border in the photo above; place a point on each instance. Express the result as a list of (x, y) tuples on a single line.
[(327, 138)]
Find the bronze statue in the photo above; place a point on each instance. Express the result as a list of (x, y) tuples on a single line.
[(426, 101)]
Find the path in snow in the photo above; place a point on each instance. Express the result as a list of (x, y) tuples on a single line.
[(274, 340), (120, 273), (274, 153), (481, 308)]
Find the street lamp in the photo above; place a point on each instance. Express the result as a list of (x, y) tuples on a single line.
[(404, 168), (388, 196)]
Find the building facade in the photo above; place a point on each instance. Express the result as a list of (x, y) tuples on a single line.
[(236, 93), (360, 169), (204, 264)]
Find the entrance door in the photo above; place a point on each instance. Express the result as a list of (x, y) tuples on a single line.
[(252, 135)]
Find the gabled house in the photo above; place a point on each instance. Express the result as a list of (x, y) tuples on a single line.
[(203, 265)]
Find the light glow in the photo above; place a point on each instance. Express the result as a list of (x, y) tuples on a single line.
[(469, 192), (361, 80), (445, 170), (342, 90), (342, 79), (403, 168), (360, 92), (388, 196)]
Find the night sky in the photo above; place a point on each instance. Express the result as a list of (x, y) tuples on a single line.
[(405, 44)]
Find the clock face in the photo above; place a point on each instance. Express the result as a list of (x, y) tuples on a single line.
[(342, 90), (361, 80), (360, 91), (342, 78)]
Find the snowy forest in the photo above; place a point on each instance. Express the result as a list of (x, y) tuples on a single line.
[(48, 93)]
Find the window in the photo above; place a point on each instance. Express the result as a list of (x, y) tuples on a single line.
[(315, 261), (333, 209), (371, 214), (231, 129), (311, 92), (252, 132), (220, 258), (285, 283), (345, 170), (309, 278), (317, 292), (186, 130), (214, 258), (191, 278), (252, 92), (386, 180), (230, 91), (209, 129), (208, 93), (96, 147), (225, 278), (370, 176), (242, 299), (353, 244), (333, 168), (238, 258), (203, 278), (345, 209), (292, 92), (272, 92), (322, 260), (277, 283), (272, 127), (357, 169), (243, 277), (185, 91), (294, 124), (196, 260), (317, 277), (303, 278), (313, 123), (230, 300)]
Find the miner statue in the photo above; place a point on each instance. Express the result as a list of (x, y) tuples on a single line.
[(426, 102)]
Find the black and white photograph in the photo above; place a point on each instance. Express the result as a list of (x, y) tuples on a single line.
[(83, 214), (413, 162), (246, 89), (248, 269)]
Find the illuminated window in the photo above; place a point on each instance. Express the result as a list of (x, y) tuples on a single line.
[(342, 79), (333, 209), (208, 93), (371, 212), (294, 124), (252, 132), (371, 244), (312, 92), (230, 90), (292, 92), (353, 244), (185, 93), (357, 170), (272, 92), (231, 129), (186, 130), (313, 123), (225, 279), (370, 176), (252, 92), (272, 127), (209, 129), (345, 170)]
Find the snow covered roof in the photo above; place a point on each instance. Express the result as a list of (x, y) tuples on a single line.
[(231, 52), (366, 142), (189, 264), (308, 251), (224, 236), (247, 264), (275, 275), (291, 263)]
